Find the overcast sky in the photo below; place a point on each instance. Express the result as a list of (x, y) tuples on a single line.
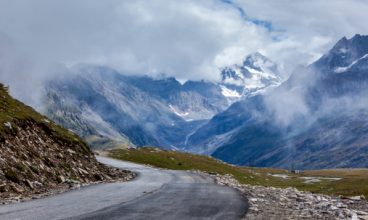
[(189, 39)]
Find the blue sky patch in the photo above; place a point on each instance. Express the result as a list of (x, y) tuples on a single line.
[(266, 24)]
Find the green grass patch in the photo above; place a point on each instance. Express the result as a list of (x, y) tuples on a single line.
[(352, 182)]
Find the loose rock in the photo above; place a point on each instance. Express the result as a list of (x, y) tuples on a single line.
[(290, 203)]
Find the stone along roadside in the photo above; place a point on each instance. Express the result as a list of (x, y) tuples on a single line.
[(290, 203)]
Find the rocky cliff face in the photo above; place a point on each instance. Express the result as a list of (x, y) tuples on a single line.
[(37, 156)]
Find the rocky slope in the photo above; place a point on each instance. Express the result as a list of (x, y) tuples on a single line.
[(38, 156)]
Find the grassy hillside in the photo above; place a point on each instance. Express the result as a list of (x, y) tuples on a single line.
[(347, 182)]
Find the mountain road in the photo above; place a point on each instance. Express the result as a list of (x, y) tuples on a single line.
[(153, 194)]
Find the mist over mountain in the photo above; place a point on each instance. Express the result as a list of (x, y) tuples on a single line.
[(252, 116), (315, 119), (109, 108)]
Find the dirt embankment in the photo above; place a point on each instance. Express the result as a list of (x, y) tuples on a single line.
[(33, 163)]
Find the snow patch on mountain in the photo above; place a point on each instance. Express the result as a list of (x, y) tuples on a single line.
[(257, 72), (229, 93), (343, 50), (178, 113), (346, 68)]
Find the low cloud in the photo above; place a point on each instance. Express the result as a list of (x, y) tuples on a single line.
[(289, 102), (186, 39)]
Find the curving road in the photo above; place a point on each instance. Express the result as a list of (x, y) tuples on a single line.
[(154, 194)]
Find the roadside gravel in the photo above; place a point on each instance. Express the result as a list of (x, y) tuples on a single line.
[(290, 203)]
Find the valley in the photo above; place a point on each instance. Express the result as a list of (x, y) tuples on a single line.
[(111, 109)]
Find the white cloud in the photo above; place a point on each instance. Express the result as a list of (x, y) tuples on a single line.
[(310, 27), (189, 39), (183, 38)]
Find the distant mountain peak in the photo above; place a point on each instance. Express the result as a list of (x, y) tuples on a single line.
[(256, 73), (344, 54), (359, 36), (353, 43), (260, 62)]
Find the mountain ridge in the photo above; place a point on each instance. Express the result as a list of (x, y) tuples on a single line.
[(110, 109), (322, 100)]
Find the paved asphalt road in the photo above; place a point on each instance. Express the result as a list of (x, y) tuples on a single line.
[(154, 194)]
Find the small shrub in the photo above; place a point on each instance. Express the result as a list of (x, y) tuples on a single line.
[(11, 175), (21, 167), (34, 169)]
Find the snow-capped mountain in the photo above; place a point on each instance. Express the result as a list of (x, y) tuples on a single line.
[(253, 76), (319, 113)]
